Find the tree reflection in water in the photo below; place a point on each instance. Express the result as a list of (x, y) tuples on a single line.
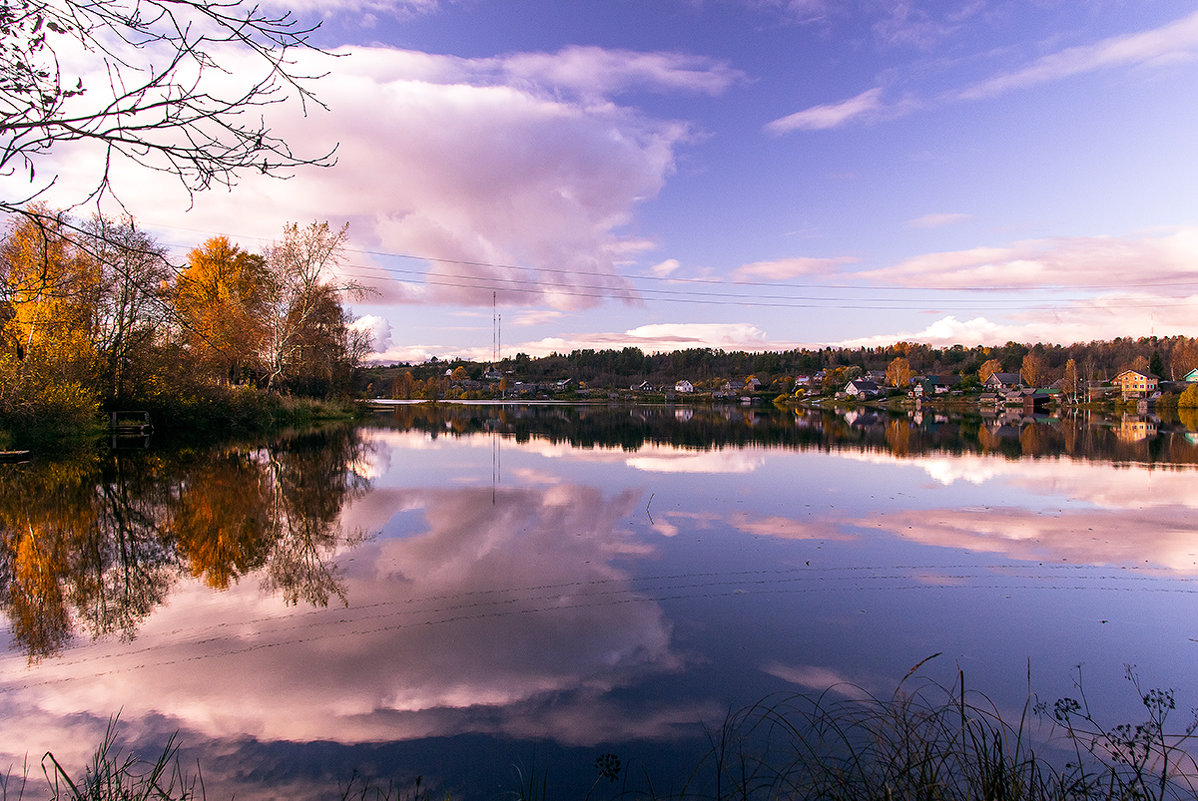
[(95, 543)]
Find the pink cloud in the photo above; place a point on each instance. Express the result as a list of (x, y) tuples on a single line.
[(782, 269), (1089, 262)]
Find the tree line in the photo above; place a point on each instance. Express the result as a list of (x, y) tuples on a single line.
[(1038, 364), (94, 316)]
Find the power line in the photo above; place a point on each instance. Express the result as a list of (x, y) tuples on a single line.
[(1057, 287)]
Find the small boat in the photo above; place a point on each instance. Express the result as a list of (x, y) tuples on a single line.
[(13, 456)]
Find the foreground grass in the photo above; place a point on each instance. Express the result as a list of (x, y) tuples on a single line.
[(926, 742)]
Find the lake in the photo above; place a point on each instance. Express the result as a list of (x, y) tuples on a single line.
[(488, 597)]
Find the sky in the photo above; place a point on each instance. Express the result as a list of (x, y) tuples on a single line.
[(526, 176)]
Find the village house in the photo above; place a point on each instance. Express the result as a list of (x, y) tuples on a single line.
[(1137, 383), (684, 386), (1003, 381), (1191, 377), (934, 384), (860, 388)]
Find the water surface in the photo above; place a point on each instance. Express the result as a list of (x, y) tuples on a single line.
[(477, 595)]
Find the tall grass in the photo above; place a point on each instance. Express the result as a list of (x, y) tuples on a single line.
[(112, 775), (928, 742)]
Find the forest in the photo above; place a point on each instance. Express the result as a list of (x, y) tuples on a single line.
[(94, 317)]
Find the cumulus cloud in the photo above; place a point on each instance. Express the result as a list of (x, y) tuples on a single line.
[(512, 174), (376, 328)]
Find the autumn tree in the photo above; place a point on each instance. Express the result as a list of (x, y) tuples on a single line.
[(47, 355), (1034, 371), (222, 301), (899, 372), (989, 368)]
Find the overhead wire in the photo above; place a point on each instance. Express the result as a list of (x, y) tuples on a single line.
[(676, 292)]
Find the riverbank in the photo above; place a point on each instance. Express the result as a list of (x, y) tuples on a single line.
[(216, 411)]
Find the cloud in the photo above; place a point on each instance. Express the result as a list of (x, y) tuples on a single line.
[(937, 220), (658, 338), (595, 71), (501, 623), (1167, 44), (867, 105), (531, 317), (350, 9), (483, 170), (664, 268), (378, 329), (817, 679), (782, 269), (1159, 259)]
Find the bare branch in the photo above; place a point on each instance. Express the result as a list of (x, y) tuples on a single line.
[(168, 91)]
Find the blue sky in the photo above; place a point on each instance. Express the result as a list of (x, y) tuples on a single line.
[(742, 174)]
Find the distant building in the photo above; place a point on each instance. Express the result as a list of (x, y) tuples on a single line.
[(684, 386)]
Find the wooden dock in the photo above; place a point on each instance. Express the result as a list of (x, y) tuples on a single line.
[(131, 424)]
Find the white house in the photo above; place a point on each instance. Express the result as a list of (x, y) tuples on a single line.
[(860, 388), (684, 386)]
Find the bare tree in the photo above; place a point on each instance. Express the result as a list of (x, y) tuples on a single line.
[(304, 317), (160, 83)]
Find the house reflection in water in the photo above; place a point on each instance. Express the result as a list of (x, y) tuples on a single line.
[(1134, 427)]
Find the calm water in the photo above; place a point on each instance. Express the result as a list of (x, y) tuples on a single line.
[(479, 595)]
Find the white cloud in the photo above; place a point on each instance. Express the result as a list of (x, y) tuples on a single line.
[(662, 269), (378, 328), (595, 71), (867, 105), (1167, 44)]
